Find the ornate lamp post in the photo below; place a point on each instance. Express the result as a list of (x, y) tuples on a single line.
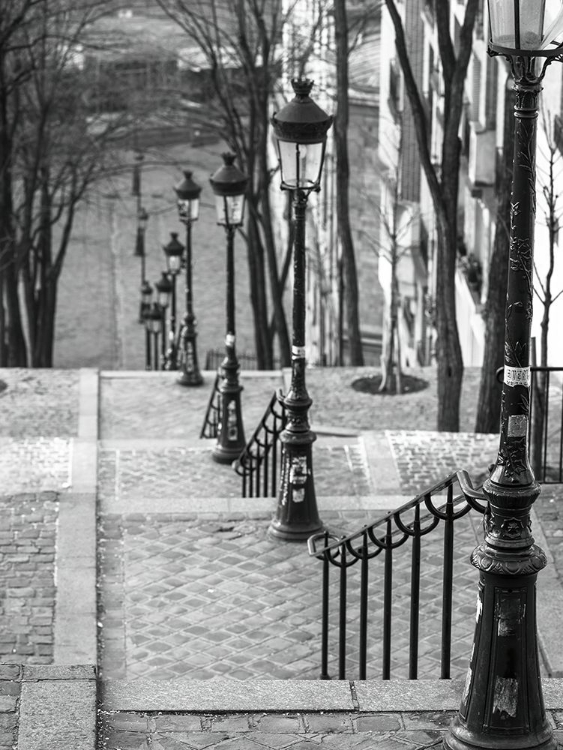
[(142, 221), (174, 252), (153, 324), (187, 192), (146, 296), (229, 185), (300, 129), (164, 288), (502, 705)]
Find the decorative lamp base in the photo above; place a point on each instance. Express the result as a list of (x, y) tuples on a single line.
[(230, 438), (297, 516), (190, 378)]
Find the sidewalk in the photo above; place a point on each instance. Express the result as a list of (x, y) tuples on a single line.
[(192, 593)]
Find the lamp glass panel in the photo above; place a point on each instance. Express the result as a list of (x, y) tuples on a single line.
[(154, 323), (503, 23), (553, 23), (146, 294), (188, 209), (174, 263), (300, 164), (163, 299), (230, 209), (531, 24)]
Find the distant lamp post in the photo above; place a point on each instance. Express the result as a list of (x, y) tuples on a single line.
[(164, 288), (229, 186), (187, 193), (142, 221), (502, 705), (153, 324), (300, 129), (174, 252), (146, 297)]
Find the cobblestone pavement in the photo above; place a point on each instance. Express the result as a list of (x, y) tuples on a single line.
[(27, 561), (425, 458), (35, 464), (190, 473), (170, 410), (39, 403), (10, 690), (254, 731), (203, 596)]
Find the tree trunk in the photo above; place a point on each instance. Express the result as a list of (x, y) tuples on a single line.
[(490, 389), (262, 339), (448, 349), (276, 287), (343, 182)]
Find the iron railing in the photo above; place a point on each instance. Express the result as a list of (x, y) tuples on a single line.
[(370, 600), (214, 358), (545, 425), (210, 427), (259, 463)]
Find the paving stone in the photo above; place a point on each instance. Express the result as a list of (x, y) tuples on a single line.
[(27, 580)]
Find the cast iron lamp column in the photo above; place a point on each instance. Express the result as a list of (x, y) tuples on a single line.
[(164, 288), (300, 129), (187, 192), (229, 185), (502, 705), (153, 323), (142, 220), (174, 252), (146, 296)]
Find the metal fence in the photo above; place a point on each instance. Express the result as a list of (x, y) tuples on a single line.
[(386, 595), (214, 357)]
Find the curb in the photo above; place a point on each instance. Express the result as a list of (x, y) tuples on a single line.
[(231, 696), (55, 706), (75, 613)]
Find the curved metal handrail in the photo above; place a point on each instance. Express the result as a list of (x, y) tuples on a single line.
[(411, 522), (258, 462)]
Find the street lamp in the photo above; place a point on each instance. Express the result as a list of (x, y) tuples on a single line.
[(502, 704), (146, 297), (174, 252), (142, 221), (164, 289), (300, 129), (229, 185), (187, 193), (153, 325)]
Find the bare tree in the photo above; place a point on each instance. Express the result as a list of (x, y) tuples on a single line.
[(490, 389), (239, 42), (543, 287), (51, 151), (351, 290), (443, 185)]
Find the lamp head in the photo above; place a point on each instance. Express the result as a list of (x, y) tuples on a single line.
[(526, 28), (300, 129), (187, 194), (229, 186), (174, 252)]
